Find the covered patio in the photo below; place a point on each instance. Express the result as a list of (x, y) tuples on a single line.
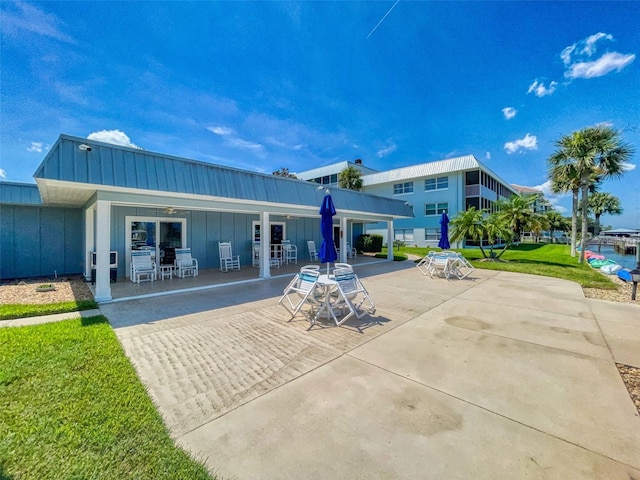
[(123, 289)]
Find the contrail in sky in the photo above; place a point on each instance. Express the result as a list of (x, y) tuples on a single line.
[(382, 19)]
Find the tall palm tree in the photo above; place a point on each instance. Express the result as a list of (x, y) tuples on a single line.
[(591, 151), (468, 224), (603, 202)]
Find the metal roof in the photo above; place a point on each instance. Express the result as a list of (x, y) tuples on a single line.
[(437, 167), (69, 175), (13, 193), (333, 169)]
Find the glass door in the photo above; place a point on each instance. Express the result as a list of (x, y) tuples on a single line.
[(169, 238)]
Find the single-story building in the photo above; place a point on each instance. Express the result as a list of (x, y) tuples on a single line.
[(94, 203)]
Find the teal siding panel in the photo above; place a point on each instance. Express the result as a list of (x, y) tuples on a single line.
[(7, 242), (74, 256), (19, 194), (53, 246), (27, 244)]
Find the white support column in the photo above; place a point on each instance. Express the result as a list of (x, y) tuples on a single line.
[(343, 239), (390, 240), (89, 239), (265, 245), (103, 247)]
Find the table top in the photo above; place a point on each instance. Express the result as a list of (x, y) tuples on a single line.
[(325, 279)]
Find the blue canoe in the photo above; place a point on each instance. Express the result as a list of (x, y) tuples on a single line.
[(624, 275)]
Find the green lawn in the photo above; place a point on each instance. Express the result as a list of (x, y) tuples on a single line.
[(7, 312), (72, 407), (537, 259)]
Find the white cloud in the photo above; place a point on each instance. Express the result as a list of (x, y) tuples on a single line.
[(540, 90), (115, 137), (487, 156), (384, 151), (607, 63), (234, 141), (509, 112), (627, 167), (3, 173), (29, 18), (35, 147), (529, 142), (220, 130), (577, 58)]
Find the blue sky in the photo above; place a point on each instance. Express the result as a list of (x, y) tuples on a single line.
[(264, 85)]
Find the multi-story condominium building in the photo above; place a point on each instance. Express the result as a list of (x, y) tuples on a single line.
[(541, 204), (451, 185)]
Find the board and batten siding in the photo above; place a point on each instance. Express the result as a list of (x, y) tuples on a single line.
[(38, 241)]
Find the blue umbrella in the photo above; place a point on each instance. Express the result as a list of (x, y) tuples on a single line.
[(327, 253), (444, 232)]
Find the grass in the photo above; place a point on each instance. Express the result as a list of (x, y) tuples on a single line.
[(537, 259), (71, 406), (8, 312)]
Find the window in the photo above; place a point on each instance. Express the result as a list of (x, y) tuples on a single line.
[(404, 234), (400, 188), (472, 177), (439, 183), (436, 208)]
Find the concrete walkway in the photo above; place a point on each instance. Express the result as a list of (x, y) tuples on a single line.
[(498, 376)]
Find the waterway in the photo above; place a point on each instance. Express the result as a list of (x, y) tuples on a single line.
[(627, 261)]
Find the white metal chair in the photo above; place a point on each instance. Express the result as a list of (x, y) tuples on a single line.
[(313, 253), (185, 265), (255, 252), (142, 266), (352, 296), (458, 265), (351, 252), (289, 252), (228, 261), (423, 265), (303, 291), (439, 266)]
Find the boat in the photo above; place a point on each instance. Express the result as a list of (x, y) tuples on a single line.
[(593, 256), (610, 269), (624, 275), (598, 263)]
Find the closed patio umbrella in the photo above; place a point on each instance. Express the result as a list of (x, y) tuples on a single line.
[(327, 253), (444, 232)]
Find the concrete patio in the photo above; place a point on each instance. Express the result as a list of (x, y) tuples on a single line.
[(497, 376)]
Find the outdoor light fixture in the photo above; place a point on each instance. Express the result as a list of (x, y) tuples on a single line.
[(326, 190), (635, 278), (85, 148)]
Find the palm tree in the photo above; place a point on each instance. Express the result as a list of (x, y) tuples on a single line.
[(556, 222), (351, 178), (592, 151), (496, 227), (603, 202), (517, 212), (468, 224)]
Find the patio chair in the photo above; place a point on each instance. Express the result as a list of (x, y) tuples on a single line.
[(439, 266), (303, 291), (185, 265), (458, 265), (255, 252), (227, 259), (142, 266), (313, 253), (423, 265), (352, 296), (351, 252), (289, 252)]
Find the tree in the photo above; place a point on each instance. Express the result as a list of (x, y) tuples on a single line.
[(496, 227), (284, 172), (468, 224), (517, 212), (557, 223), (591, 152), (602, 202), (351, 178)]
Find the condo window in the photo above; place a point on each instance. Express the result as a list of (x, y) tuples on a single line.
[(404, 234), (436, 208), (439, 183), (400, 188)]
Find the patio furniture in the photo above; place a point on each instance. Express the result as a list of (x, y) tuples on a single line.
[(351, 252), (352, 297), (255, 255), (313, 253), (165, 271), (423, 264), (228, 261), (276, 255), (302, 292), (185, 265), (459, 266), (289, 252), (142, 267)]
